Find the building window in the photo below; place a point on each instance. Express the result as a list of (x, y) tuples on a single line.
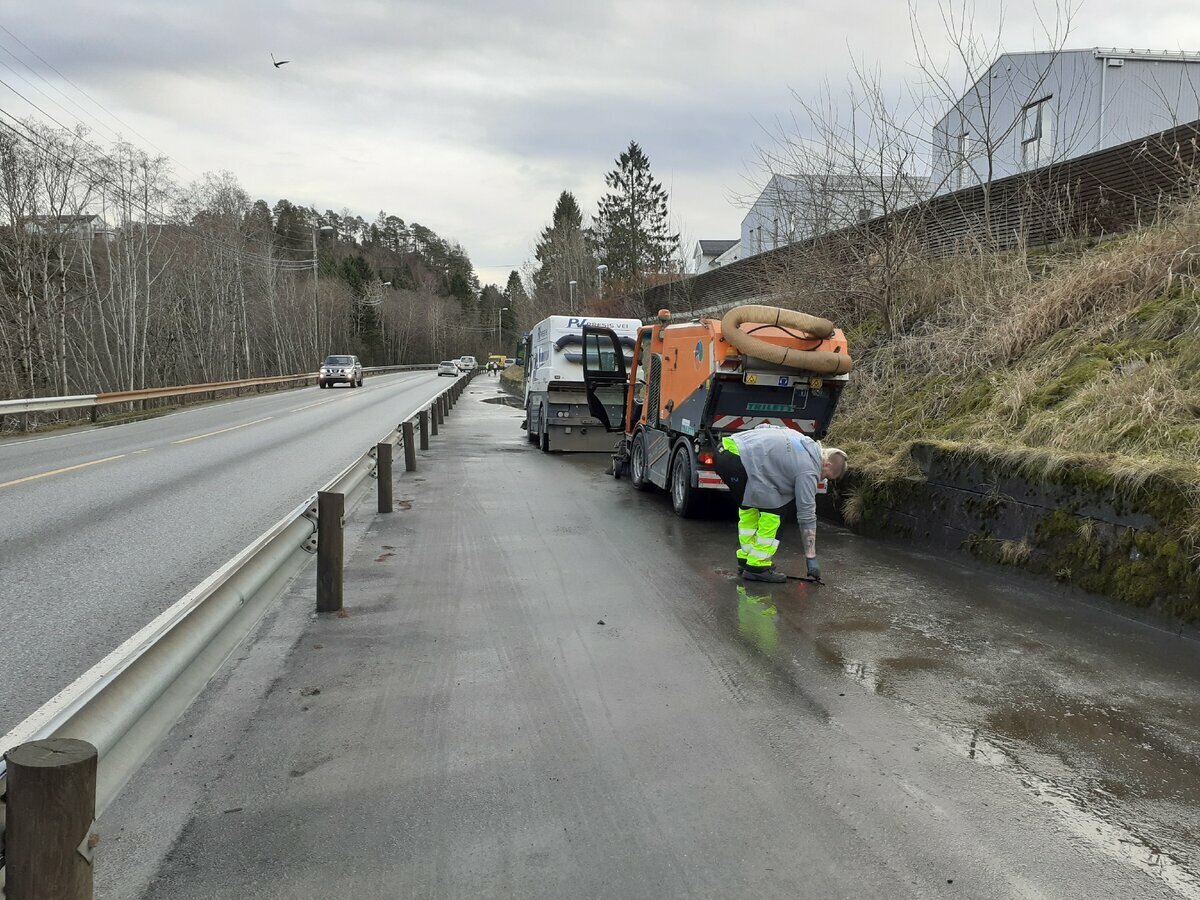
[(1037, 133)]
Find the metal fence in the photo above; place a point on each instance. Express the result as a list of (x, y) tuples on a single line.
[(1094, 195)]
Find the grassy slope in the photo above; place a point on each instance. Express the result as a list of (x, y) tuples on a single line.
[(1080, 366)]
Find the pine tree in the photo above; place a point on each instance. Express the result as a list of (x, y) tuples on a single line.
[(632, 232), (517, 302), (563, 256)]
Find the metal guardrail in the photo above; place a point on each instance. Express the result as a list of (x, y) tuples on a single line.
[(126, 704), (85, 401)]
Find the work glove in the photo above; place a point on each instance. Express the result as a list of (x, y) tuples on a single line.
[(814, 570)]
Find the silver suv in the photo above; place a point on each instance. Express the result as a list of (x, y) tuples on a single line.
[(340, 370)]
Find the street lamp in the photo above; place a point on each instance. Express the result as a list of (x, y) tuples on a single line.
[(601, 271), (316, 308), (571, 285), (499, 321)]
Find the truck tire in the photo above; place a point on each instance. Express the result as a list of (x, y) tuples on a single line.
[(637, 463), (544, 436), (684, 497), (530, 434)]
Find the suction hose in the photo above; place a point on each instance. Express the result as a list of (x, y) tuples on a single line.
[(823, 362)]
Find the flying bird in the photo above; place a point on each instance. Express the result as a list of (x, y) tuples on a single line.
[(278, 62)]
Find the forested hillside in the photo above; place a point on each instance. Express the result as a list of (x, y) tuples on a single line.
[(114, 275)]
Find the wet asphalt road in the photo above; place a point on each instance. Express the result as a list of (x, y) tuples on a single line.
[(102, 528), (549, 686)]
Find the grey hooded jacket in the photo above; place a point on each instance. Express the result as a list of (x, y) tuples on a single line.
[(781, 465)]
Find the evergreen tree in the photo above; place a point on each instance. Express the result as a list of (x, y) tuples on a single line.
[(632, 231), (517, 302), (563, 255)]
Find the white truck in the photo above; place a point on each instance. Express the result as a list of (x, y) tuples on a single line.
[(556, 404)]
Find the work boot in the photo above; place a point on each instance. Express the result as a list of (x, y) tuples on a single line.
[(763, 573), (741, 565)]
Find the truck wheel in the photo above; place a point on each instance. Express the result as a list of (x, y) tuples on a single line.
[(530, 434), (683, 495), (637, 463)]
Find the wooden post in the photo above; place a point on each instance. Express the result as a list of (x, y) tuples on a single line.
[(440, 409), (410, 446), (423, 418), (330, 550), (433, 418), (51, 809), (383, 469)]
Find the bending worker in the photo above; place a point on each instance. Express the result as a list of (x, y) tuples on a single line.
[(765, 469)]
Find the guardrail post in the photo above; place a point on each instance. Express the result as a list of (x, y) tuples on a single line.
[(439, 409), (330, 550), (433, 418), (383, 471), (423, 418), (410, 446), (51, 815)]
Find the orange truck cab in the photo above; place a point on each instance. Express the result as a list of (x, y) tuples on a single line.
[(690, 384)]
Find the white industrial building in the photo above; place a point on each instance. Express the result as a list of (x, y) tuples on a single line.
[(795, 208), (1033, 109)]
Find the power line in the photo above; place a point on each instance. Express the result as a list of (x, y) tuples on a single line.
[(110, 113)]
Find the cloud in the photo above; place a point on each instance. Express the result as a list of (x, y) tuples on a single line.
[(470, 116)]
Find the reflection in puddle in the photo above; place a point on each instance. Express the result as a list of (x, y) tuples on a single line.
[(1115, 778), (758, 619), (1114, 839)]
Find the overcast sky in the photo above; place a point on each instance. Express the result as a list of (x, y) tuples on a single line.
[(470, 116)]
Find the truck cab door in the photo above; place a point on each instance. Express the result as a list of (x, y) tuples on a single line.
[(604, 376)]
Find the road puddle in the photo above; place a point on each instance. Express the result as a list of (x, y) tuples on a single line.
[(1109, 741)]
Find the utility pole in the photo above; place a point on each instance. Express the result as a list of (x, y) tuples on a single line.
[(316, 308), (600, 272), (571, 286), (500, 322)]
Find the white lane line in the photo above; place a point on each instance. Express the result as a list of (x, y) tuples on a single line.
[(318, 403), (52, 437), (222, 431), (94, 462)]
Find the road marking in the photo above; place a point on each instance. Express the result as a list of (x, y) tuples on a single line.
[(94, 462), (53, 437), (221, 431), (311, 405)]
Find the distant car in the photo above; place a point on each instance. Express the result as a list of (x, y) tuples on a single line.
[(467, 363), (509, 361), (340, 370), (448, 367)]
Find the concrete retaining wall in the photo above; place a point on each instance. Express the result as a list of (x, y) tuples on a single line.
[(1076, 525)]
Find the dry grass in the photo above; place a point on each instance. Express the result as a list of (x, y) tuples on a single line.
[(1092, 360)]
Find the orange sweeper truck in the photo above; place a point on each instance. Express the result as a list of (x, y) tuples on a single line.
[(690, 384)]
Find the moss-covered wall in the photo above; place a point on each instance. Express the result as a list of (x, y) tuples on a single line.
[(1074, 524)]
